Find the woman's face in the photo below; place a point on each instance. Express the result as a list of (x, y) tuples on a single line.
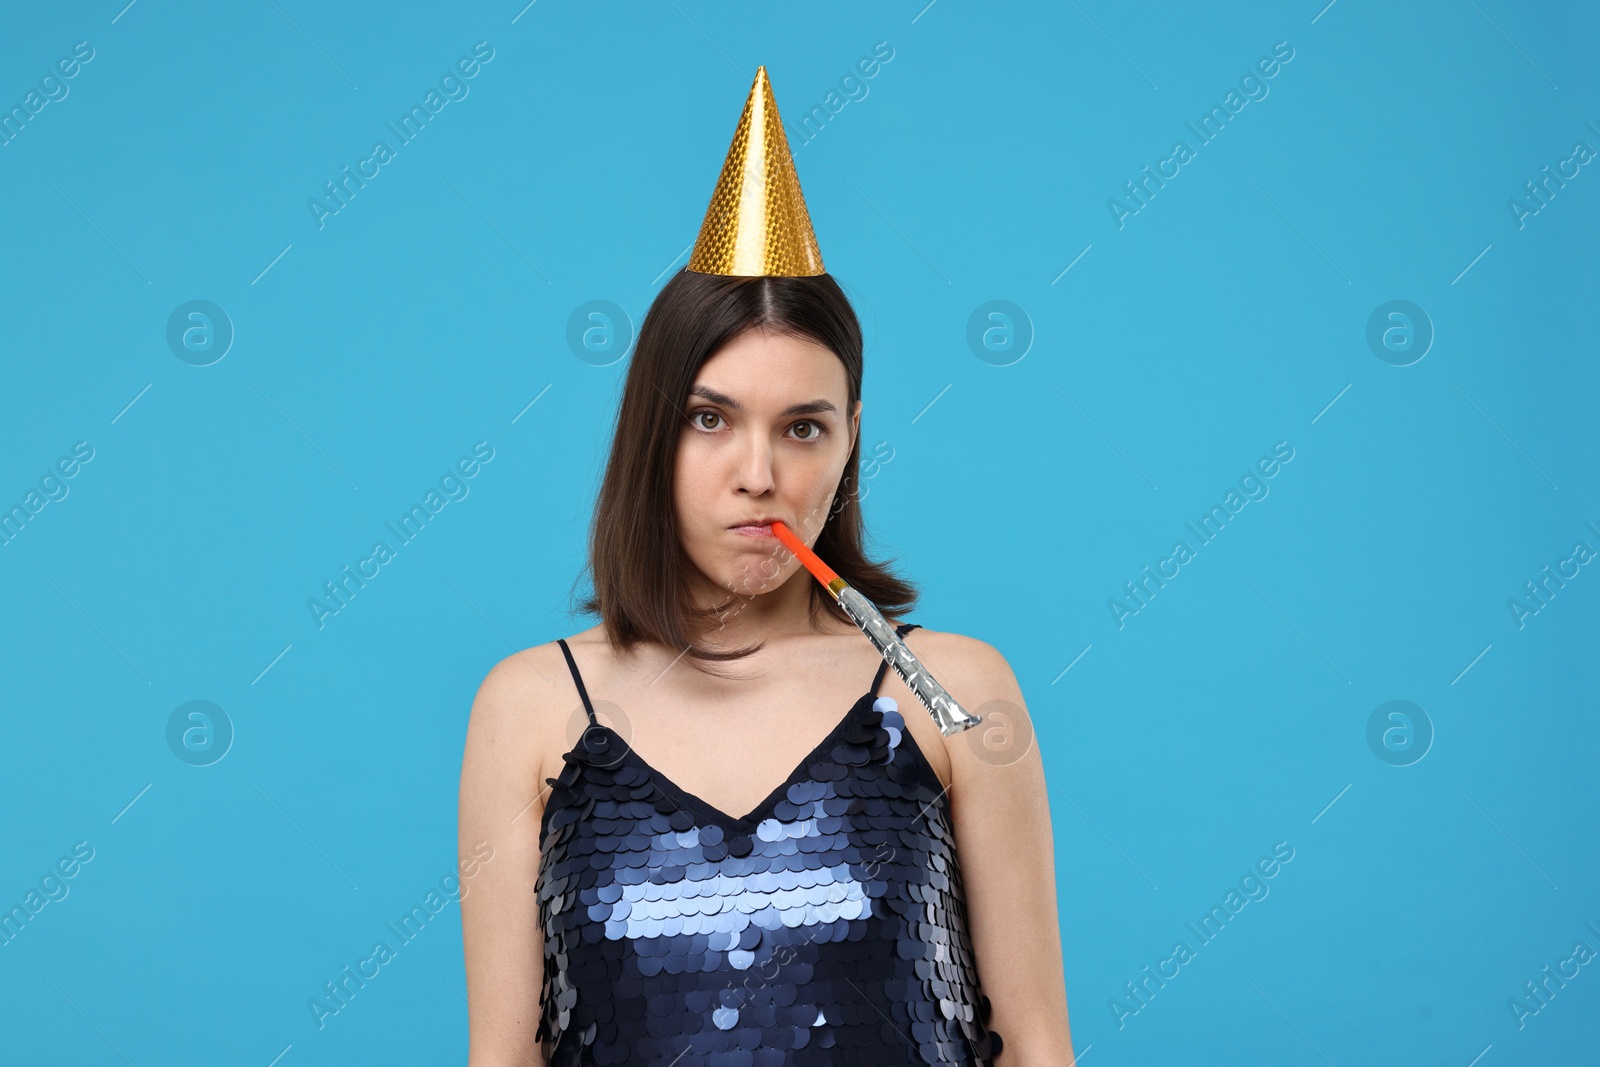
[(765, 435)]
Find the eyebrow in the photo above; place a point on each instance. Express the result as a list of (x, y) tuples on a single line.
[(809, 407)]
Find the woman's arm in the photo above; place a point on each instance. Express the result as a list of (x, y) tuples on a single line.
[(502, 800), (1001, 811)]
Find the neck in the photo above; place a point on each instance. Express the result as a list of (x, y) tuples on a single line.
[(780, 612)]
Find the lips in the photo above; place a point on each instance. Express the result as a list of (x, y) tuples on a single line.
[(758, 528)]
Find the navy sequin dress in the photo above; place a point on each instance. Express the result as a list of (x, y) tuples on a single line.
[(827, 926)]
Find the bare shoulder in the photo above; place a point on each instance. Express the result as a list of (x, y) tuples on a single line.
[(520, 715), (981, 680), (534, 677), (977, 665), (522, 686)]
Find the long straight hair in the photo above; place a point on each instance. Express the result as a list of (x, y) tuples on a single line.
[(639, 570)]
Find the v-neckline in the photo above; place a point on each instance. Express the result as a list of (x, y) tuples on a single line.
[(706, 813)]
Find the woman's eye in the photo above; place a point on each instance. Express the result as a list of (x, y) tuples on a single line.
[(705, 415), (816, 430)]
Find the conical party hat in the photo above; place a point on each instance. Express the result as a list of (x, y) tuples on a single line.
[(757, 222)]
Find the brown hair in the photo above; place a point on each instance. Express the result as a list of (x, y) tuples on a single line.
[(636, 562)]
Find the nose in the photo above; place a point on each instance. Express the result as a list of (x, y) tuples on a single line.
[(753, 466)]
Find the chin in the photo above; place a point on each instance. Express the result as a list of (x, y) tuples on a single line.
[(748, 574), (749, 580)]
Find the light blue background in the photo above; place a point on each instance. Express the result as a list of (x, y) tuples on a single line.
[(1230, 313)]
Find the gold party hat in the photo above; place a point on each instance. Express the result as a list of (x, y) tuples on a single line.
[(757, 222)]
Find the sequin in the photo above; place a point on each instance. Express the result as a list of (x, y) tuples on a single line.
[(827, 926)]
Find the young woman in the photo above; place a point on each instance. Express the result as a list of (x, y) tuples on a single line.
[(723, 832)]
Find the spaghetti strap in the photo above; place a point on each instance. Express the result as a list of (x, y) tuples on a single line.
[(883, 668), (578, 679)]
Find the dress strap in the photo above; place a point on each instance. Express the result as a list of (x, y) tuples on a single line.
[(578, 678), (883, 668)]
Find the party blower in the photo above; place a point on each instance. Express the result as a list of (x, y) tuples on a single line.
[(951, 717)]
